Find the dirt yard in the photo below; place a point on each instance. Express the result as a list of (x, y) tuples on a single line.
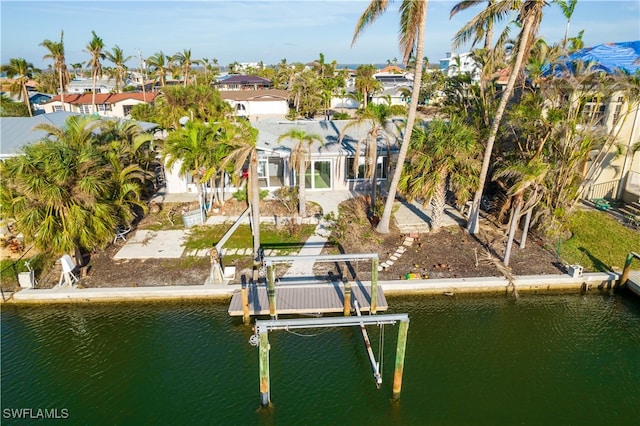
[(447, 253)]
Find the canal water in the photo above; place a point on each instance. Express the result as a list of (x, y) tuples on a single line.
[(565, 359)]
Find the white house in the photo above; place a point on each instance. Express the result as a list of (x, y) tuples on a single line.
[(103, 85), (460, 63), (258, 104)]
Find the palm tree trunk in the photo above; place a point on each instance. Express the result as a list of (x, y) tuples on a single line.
[(255, 206), (474, 214), (438, 201), (93, 95), (61, 88), (25, 96), (512, 229), (383, 226), (302, 198)]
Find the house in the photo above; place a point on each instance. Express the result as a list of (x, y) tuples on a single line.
[(618, 177), (330, 166), (243, 82), (460, 63), (103, 85), (36, 99), (17, 132), (107, 104), (258, 104)]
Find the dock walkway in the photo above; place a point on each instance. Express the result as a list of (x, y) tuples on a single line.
[(633, 282), (306, 299)]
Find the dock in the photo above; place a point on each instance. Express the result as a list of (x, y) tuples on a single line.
[(317, 298), (633, 282)]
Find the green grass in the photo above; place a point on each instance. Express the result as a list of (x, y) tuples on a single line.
[(599, 242), (10, 268), (288, 238)]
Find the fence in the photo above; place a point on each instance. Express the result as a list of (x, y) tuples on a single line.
[(604, 190)]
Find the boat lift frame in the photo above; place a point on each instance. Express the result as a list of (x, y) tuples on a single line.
[(263, 327)]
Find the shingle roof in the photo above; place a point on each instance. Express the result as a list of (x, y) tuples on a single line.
[(16, 132)]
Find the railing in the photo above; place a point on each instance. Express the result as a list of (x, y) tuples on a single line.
[(604, 190)]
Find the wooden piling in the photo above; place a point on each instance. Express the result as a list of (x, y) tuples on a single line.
[(627, 269), (244, 293), (403, 329), (271, 291), (374, 285), (265, 398), (347, 299)]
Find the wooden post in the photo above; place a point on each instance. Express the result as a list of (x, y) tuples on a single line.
[(244, 293), (271, 291), (347, 299), (265, 398), (627, 269), (402, 344), (374, 286)]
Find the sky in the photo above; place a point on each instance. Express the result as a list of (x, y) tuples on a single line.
[(267, 30)]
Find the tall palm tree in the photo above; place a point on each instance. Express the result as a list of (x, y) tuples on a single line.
[(56, 53), (158, 63), (444, 154), (184, 60), (24, 70), (479, 29), (529, 17), (300, 154), (94, 48), (77, 69), (413, 18), (243, 144), (377, 117), (567, 7), (117, 57)]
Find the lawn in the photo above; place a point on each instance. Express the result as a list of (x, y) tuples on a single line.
[(599, 242)]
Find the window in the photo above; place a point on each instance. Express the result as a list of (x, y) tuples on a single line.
[(85, 109), (104, 107), (57, 108), (593, 114), (127, 109), (381, 172)]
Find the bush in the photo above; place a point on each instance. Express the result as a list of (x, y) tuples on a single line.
[(288, 197), (341, 116), (241, 195)]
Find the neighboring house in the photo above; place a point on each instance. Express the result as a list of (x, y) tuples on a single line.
[(103, 85), (460, 63), (37, 100), (619, 175), (243, 82), (16, 132), (330, 167), (108, 105), (258, 104)]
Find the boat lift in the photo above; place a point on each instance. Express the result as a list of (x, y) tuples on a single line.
[(263, 327)]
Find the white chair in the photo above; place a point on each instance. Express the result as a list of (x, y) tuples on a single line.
[(67, 270)]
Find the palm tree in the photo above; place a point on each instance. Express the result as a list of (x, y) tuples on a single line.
[(377, 117), (56, 53), (365, 82), (24, 70), (77, 67), (117, 57), (299, 156), (60, 190), (413, 18), (184, 60), (479, 28), (529, 17), (157, 62), (242, 142), (444, 154), (94, 48), (567, 7)]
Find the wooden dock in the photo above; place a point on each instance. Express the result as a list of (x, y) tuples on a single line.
[(306, 299), (633, 282)]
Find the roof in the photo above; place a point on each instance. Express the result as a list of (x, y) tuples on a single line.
[(104, 98), (244, 79), (329, 131), (392, 69), (608, 57), (16, 132), (255, 95)]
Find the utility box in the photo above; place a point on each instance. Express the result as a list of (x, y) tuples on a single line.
[(26, 279), (192, 218), (575, 271)]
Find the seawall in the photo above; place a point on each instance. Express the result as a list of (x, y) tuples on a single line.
[(448, 286)]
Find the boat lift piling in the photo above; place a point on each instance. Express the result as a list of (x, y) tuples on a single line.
[(263, 327)]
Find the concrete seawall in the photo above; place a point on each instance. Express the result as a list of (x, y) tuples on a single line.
[(401, 287)]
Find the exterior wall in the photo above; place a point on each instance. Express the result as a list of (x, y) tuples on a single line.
[(177, 183)]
